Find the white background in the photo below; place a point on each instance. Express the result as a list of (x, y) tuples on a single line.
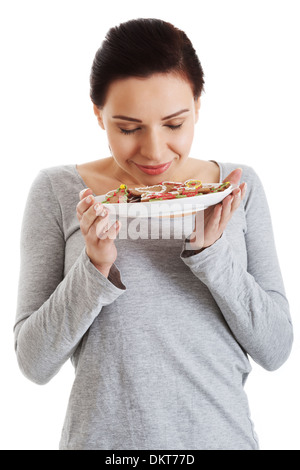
[(250, 114)]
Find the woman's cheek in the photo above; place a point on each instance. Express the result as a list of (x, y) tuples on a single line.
[(122, 148), (183, 141)]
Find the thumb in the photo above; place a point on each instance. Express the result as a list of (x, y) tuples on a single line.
[(234, 177)]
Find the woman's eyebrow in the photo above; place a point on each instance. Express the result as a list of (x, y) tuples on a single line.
[(175, 114), (127, 118)]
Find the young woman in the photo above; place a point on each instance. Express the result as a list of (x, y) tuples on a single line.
[(159, 333)]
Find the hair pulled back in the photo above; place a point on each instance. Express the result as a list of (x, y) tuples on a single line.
[(141, 48)]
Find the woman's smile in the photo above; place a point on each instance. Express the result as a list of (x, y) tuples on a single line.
[(154, 169)]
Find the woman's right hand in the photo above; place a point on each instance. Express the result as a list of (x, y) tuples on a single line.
[(99, 237)]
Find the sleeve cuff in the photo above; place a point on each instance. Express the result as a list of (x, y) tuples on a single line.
[(201, 259), (109, 288), (187, 252)]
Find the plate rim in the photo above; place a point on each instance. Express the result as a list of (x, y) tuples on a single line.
[(120, 207)]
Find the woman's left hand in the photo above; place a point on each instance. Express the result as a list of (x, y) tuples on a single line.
[(211, 224)]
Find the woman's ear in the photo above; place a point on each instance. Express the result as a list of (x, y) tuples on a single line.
[(197, 108), (98, 114)]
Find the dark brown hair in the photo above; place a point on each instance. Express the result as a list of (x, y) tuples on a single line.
[(140, 48)]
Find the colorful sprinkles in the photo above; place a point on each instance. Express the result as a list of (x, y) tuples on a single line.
[(162, 192)]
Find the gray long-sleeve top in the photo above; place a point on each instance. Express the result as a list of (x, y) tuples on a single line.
[(162, 362)]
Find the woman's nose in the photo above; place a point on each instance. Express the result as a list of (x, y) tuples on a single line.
[(152, 146)]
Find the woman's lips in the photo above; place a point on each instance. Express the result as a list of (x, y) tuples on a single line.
[(154, 169)]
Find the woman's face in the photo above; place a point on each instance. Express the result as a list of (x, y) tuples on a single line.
[(150, 127)]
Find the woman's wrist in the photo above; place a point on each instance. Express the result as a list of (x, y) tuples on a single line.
[(191, 250), (103, 269)]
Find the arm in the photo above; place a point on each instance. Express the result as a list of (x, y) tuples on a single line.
[(252, 301), (54, 312)]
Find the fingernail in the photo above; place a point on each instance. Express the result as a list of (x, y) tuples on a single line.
[(103, 213), (82, 192), (97, 207), (89, 199)]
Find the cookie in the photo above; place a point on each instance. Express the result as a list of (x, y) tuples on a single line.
[(163, 191)]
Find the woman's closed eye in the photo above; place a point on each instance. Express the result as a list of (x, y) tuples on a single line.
[(174, 128), (132, 131), (129, 131)]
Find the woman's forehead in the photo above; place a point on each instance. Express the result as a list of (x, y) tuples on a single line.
[(160, 91)]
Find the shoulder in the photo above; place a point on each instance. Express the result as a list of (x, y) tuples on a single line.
[(255, 194), (55, 188), (255, 202), (248, 174), (61, 175), (61, 180)]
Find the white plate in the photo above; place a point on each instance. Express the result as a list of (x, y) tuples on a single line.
[(171, 207)]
